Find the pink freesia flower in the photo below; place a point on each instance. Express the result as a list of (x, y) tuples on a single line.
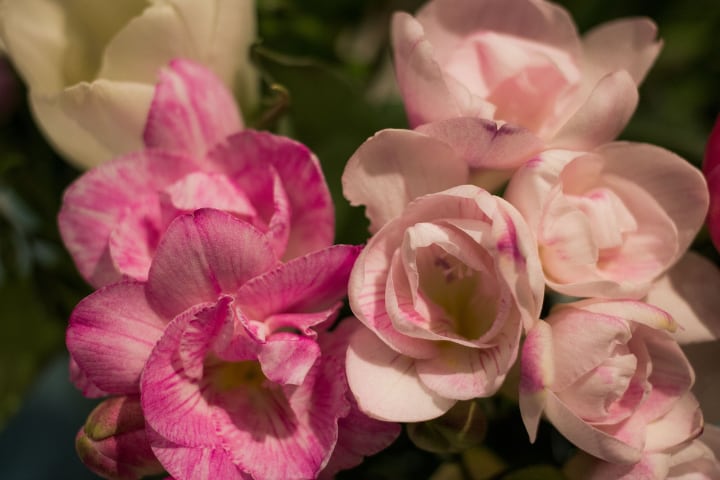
[(113, 216), (610, 378), (521, 62), (444, 289), (610, 221), (697, 459), (221, 344), (711, 169)]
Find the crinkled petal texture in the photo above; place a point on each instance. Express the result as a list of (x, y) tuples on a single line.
[(611, 221), (444, 291), (89, 90), (521, 62), (220, 342), (611, 379)]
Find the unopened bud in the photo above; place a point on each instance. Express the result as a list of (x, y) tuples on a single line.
[(113, 442)]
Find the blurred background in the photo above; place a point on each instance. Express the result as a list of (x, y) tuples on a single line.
[(328, 82)]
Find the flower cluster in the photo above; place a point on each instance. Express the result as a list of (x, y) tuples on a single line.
[(510, 232)]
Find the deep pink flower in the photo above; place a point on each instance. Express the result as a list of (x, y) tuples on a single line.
[(196, 156), (221, 344), (610, 378), (521, 62), (711, 169)]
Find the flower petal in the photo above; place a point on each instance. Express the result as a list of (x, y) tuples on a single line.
[(192, 110), (628, 43), (111, 335), (688, 292), (602, 116), (394, 167), (382, 380), (203, 255), (310, 283), (287, 358), (537, 372)]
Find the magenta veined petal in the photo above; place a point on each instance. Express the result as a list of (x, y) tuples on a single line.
[(202, 255), (111, 335), (191, 111)]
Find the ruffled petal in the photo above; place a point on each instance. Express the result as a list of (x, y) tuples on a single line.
[(537, 372), (287, 358), (203, 255), (111, 335)]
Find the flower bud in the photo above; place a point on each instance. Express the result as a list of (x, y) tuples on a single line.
[(113, 444)]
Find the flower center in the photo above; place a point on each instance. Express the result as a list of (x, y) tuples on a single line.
[(226, 376)]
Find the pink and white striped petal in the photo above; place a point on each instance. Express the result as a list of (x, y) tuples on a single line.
[(111, 335), (191, 111), (287, 358), (203, 255)]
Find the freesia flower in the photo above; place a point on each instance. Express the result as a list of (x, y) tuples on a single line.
[(444, 289), (711, 169), (609, 376), (611, 221), (91, 66), (521, 62), (113, 216), (221, 344), (697, 459)]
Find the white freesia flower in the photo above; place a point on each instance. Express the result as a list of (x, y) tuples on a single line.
[(90, 66)]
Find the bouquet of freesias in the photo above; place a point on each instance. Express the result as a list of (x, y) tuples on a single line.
[(526, 285)]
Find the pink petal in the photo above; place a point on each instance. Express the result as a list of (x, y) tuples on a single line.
[(676, 185), (287, 358), (382, 380), (627, 43), (282, 432), (203, 255), (426, 95), (602, 116), (582, 341), (482, 144), (172, 393), (394, 167), (111, 335), (463, 373), (312, 220), (311, 283), (537, 370), (682, 423), (97, 202), (447, 20), (132, 243), (182, 461), (590, 439), (82, 383), (639, 312), (689, 293), (191, 110)]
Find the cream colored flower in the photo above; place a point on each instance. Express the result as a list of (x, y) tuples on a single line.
[(90, 65)]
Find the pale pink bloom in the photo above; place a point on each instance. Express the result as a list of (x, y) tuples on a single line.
[(221, 344), (113, 216), (711, 169), (444, 289), (113, 442), (610, 221), (696, 460), (522, 62), (610, 377)]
